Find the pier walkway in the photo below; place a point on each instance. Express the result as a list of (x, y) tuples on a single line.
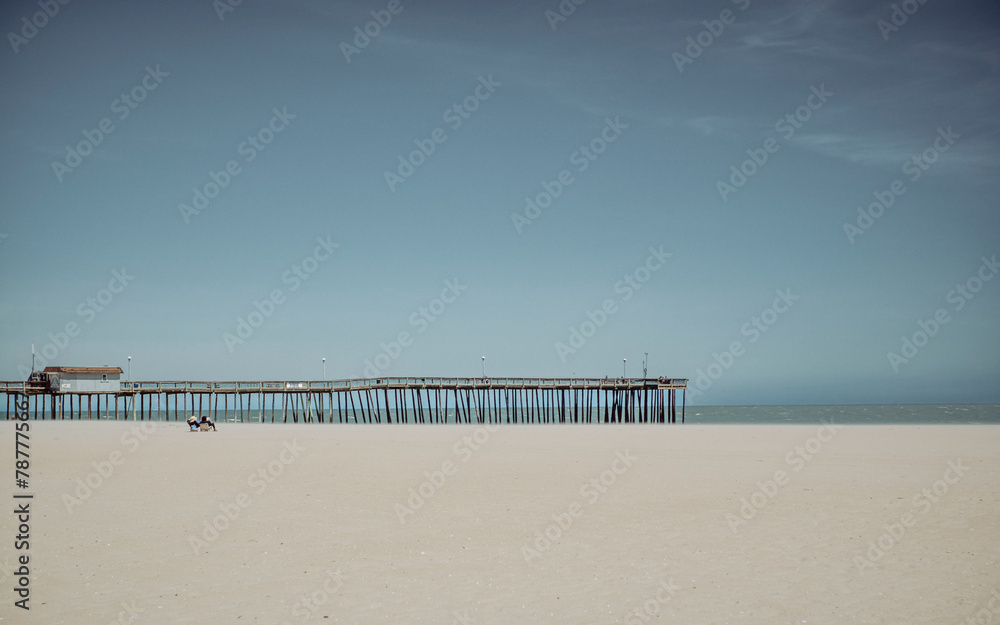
[(371, 400)]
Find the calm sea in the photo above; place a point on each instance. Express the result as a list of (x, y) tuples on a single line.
[(900, 413)]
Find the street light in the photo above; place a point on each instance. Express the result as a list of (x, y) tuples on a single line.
[(623, 367), (644, 361), (324, 369), (131, 390), (484, 367)]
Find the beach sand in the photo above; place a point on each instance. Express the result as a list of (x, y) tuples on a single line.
[(512, 524)]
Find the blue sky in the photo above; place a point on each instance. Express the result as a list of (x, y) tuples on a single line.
[(697, 199)]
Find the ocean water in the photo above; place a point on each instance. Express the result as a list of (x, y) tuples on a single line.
[(856, 414), (891, 413)]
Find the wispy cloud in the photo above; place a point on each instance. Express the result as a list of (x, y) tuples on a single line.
[(709, 125), (889, 151), (874, 151)]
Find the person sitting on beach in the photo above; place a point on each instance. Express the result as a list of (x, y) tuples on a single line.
[(206, 424), (193, 422)]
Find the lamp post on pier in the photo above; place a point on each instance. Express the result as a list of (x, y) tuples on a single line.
[(131, 390)]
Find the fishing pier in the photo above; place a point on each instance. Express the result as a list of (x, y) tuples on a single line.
[(373, 400)]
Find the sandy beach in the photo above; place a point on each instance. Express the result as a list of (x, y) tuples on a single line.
[(507, 524)]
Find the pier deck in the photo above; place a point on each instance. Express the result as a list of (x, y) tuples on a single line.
[(372, 400)]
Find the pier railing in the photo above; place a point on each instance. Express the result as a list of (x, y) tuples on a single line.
[(305, 386)]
